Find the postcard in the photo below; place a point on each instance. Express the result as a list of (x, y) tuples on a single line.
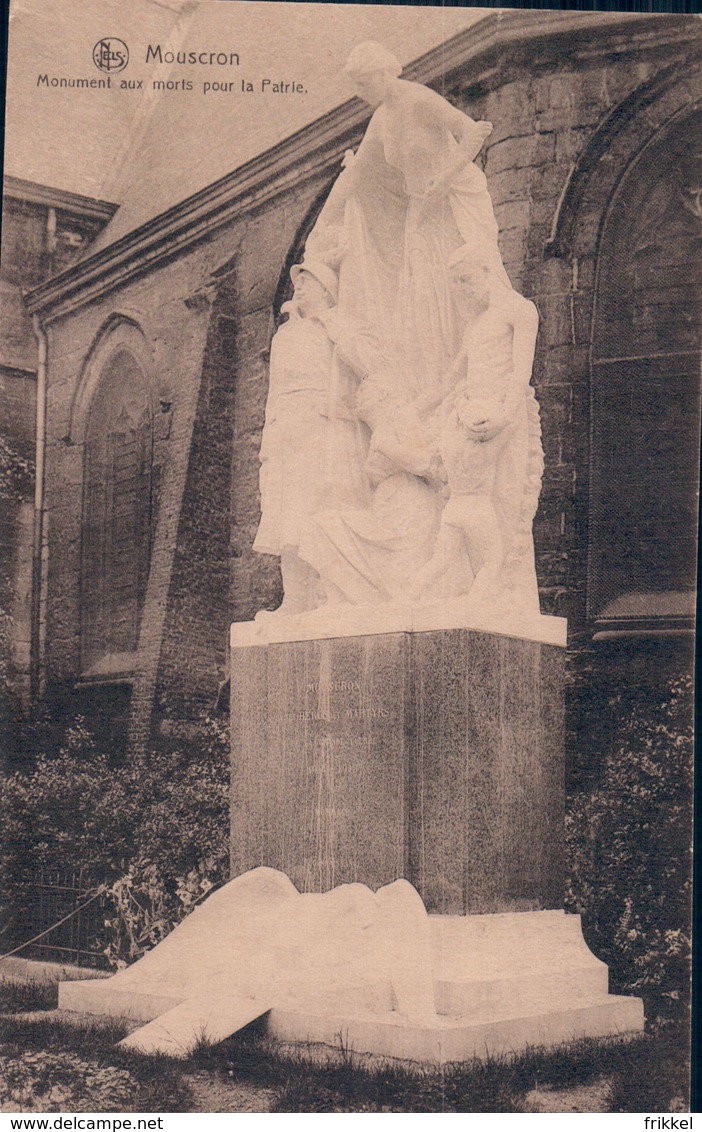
[(350, 366)]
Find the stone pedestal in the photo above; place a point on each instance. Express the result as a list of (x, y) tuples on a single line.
[(435, 756)]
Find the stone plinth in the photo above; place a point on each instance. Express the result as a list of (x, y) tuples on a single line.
[(501, 983), (435, 755)]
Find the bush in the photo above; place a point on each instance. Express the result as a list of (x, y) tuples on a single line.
[(629, 842), (154, 833), (16, 483)]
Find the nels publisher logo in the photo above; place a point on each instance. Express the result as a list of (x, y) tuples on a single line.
[(110, 55)]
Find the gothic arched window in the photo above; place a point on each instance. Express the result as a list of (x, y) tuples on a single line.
[(117, 507), (647, 337)]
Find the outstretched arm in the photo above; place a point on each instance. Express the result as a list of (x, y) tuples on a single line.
[(469, 135)]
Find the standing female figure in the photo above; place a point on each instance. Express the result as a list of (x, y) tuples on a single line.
[(408, 199)]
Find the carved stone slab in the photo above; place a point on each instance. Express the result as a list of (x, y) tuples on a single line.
[(436, 756)]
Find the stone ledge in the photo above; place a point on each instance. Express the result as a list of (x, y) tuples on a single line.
[(371, 620), (100, 997), (455, 1039), (16, 967)]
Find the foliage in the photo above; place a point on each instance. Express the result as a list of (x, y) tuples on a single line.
[(629, 841), (16, 474), (146, 909), (5, 660), (156, 832), (16, 478), (47, 1061), (20, 994), (61, 1082), (650, 1068)]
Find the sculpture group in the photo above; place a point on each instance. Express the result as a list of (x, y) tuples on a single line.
[(401, 458)]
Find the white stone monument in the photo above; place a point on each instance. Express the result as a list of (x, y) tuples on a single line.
[(401, 455), (397, 724)]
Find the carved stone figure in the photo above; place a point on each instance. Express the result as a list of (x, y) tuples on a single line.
[(406, 201), (310, 441), (406, 486), (489, 440), (367, 554)]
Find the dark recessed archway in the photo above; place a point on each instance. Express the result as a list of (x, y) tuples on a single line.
[(645, 386), (117, 509)]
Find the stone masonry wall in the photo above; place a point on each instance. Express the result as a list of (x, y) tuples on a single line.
[(175, 338), (200, 324), (33, 248)]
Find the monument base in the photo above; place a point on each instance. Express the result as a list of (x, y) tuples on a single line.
[(502, 983), (433, 754), (457, 1039), (398, 750)]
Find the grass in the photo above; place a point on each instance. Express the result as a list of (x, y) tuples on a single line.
[(17, 995), (645, 1073), (157, 1082)]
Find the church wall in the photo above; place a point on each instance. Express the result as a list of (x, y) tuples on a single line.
[(43, 231), (174, 337), (206, 331)]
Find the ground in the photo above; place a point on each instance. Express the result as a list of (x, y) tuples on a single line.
[(56, 1061)]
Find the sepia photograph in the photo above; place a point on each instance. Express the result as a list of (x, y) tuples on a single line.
[(349, 467)]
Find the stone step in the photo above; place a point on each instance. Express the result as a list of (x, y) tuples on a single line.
[(476, 996), (444, 1040), (100, 996), (210, 1018)]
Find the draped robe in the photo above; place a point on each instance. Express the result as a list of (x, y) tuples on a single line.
[(394, 281)]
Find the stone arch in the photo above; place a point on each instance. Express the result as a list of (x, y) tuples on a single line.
[(624, 134), (629, 222), (121, 330), (646, 344)]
